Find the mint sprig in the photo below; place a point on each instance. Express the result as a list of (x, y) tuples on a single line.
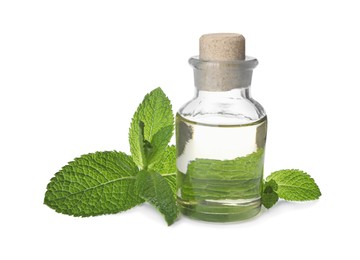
[(291, 185), (111, 182), (152, 126)]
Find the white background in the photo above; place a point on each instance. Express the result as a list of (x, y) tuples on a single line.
[(73, 72)]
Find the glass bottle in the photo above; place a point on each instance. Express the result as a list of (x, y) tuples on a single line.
[(220, 135)]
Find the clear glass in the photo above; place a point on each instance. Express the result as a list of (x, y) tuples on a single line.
[(221, 135)]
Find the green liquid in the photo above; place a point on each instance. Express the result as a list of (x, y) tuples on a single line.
[(220, 170)]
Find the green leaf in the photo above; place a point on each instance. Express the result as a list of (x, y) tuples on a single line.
[(166, 166), (155, 112), (271, 184), (159, 143), (295, 185), (153, 188), (94, 184), (239, 178), (269, 197)]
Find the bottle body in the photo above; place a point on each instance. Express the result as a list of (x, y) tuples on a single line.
[(220, 136)]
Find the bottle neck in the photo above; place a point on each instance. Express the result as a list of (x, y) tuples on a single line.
[(236, 93), (222, 76)]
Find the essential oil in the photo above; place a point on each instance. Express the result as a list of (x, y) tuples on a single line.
[(221, 135)]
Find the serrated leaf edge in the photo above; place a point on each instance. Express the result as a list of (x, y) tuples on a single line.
[(269, 178)]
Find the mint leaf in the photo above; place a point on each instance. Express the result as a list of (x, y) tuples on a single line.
[(272, 184), (94, 184), (152, 152), (153, 188), (269, 197), (155, 112), (239, 178), (295, 185), (166, 166), (159, 143)]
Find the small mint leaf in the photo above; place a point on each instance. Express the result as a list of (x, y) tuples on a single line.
[(155, 112), (269, 197), (295, 185), (154, 189), (159, 143), (167, 163)]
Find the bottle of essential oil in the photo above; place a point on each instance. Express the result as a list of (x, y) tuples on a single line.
[(220, 135)]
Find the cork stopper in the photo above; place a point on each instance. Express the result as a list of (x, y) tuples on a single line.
[(222, 47), (222, 64)]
